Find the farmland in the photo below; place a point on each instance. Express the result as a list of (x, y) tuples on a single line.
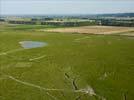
[(93, 30), (71, 67)]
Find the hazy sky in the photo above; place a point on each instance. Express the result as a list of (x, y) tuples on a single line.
[(65, 6)]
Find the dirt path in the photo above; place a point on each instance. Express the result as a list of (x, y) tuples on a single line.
[(48, 89), (11, 51), (78, 39), (33, 85), (37, 58), (89, 90)]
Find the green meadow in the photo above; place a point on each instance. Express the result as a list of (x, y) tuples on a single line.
[(71, 67)]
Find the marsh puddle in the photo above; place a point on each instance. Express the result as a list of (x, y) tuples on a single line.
[(32, 44)]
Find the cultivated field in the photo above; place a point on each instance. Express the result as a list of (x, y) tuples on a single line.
[(93, 29), (70, 67)]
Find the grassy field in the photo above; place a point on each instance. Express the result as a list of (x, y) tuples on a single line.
[(73, 66)]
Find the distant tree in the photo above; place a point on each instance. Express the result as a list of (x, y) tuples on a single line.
[(2, 20)]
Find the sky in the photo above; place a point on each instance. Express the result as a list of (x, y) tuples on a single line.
[(48, 7)]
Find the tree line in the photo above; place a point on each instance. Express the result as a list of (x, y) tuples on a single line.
[(84, 23), (22, 22), (60, 23), (114, 22)]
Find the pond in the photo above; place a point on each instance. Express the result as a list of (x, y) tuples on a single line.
[(32, 44)]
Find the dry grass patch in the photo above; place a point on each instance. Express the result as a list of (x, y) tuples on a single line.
[(92, 29), (128, 34)]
